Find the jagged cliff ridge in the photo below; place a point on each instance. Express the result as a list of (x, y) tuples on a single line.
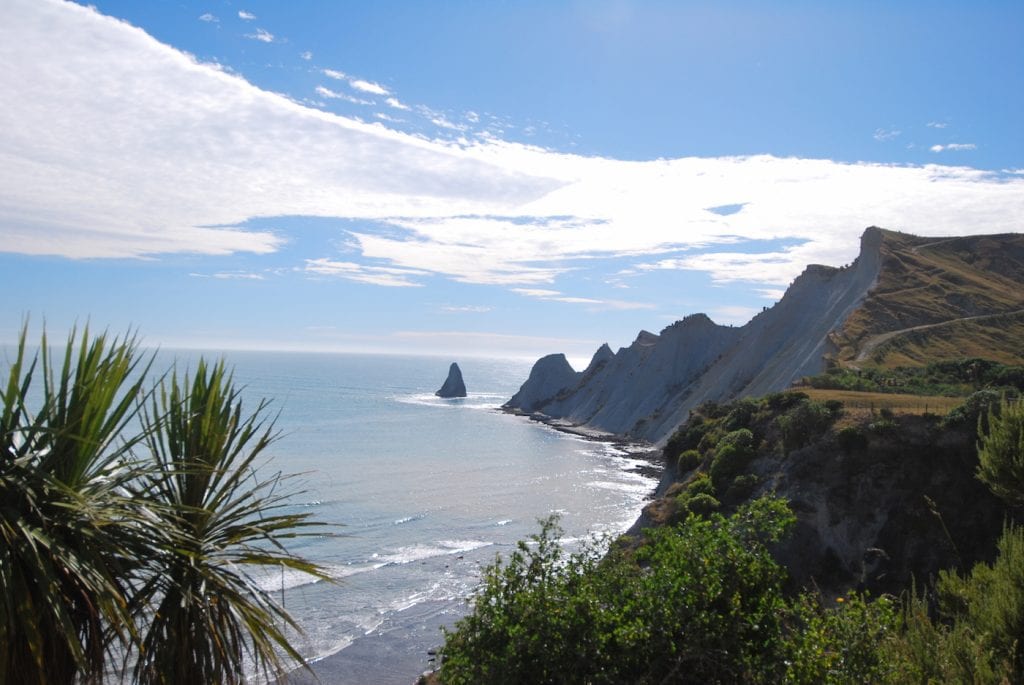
[(934, 289)]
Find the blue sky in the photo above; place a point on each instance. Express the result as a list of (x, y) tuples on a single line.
[(488, 178)]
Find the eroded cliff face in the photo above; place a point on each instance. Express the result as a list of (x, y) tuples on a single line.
[(645, 390), (550, 376)]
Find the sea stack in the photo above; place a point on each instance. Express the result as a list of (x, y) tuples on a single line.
[(453, 385)]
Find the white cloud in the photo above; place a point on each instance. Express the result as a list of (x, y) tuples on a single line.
[(387, 117), (118, 146), (335, 95), (368, 87), (937, 124), (231, 276), (477, 344), (883, 134), (307, 55), (732, 315), (556, 296), (208, 17), (771, 293), (335, 74), (247, 16), (953, 146), (261, 35), (394, 102), (374, 275), (467, 309), (114, 145)]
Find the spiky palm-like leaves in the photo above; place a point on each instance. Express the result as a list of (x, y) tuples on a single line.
[(68, 545), (125, 539), (217, 518)]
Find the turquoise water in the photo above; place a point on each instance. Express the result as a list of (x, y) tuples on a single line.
[(421, 491)]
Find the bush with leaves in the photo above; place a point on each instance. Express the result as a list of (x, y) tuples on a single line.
[(689, 460), (733, 453), (699, 602), (1001, 452), (843, 643), (802, 422)]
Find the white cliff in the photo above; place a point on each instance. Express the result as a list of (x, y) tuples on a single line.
[(646, 390)]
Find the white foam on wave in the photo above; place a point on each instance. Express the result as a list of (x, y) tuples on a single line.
[(473, 400), (638, 489), (409, 519), (275, 579), (420, 552)]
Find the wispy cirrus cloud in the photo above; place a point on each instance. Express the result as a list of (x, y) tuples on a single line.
[(467, 308), (231, 276), (374, 275), (262, 35), (97, 161), (369, 87), (953, 147), (336, 95), (557, 296), (207, 17), (884, 134)]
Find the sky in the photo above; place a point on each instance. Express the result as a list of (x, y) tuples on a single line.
[(481, 178)]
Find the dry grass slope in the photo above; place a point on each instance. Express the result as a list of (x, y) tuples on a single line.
[(860, 402), (939, 287)]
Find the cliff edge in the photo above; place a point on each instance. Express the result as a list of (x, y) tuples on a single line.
[(941, 293)]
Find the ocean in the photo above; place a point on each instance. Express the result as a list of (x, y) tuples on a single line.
[(421, 493)]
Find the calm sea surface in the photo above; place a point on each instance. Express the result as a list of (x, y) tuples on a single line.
[(424, 491)]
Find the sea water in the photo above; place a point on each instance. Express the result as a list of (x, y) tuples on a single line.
[(420, 493)]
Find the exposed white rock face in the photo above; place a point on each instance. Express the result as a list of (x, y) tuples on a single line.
[(549, 376), (453, 385), (641, 379), (646, 390)]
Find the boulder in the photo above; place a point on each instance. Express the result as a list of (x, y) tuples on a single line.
[(453, 385)]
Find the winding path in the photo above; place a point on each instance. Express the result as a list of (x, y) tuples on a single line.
[(872, 343)]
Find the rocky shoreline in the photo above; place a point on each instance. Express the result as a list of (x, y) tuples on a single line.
[(654, 463)]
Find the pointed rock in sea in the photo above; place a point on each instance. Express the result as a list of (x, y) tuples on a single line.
[(453, 385)]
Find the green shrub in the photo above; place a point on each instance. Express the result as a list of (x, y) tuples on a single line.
[(835, 407), (851, 439), (688, 461), (991, 600), (977, 405), (803, 422), (707, 607), (841, 643), (702, 504), (734, 452), (701, 485), (741, 439), (781, 401), (1001, 452), (741, 487), (741, 413), (687, 437)]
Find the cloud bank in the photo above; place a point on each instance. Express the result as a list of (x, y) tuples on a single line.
[(114, 145)]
